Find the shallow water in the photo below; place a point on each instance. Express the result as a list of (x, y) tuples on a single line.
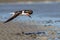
[(41, 12)]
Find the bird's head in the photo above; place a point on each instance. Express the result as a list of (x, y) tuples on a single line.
[(27, 12)]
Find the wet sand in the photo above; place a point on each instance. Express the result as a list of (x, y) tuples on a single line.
[(13, 31)]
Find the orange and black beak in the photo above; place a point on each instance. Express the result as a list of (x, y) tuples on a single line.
[(28, 15)]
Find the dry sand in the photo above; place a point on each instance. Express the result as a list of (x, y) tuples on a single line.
[(9, 30)]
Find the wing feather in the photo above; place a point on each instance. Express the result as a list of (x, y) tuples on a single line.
[(11, 18)]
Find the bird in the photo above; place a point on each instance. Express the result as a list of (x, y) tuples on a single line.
[(21, 13)]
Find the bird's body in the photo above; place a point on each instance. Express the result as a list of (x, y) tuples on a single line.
[(23, 13), (17, 13)]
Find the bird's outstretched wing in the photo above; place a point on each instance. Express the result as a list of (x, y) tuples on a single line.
[(11, 18)]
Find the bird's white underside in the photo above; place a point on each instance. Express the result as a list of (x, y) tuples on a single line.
[(21, 14)]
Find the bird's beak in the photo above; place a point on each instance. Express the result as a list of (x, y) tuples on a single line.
[(30, 16)]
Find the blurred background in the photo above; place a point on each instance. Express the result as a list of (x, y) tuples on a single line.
[(45, 18), (43, 10), (29, 1)]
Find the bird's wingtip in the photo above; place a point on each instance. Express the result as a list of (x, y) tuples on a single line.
[(4, 22)]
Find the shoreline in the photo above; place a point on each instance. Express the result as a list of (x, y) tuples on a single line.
[(29, 0), (12, 3), (12, 30)]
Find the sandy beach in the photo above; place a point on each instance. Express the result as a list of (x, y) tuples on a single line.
[(13, 31)]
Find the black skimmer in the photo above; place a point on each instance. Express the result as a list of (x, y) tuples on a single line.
[(17, 13)]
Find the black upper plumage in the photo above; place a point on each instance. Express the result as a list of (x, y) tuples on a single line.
[(18, 13)]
